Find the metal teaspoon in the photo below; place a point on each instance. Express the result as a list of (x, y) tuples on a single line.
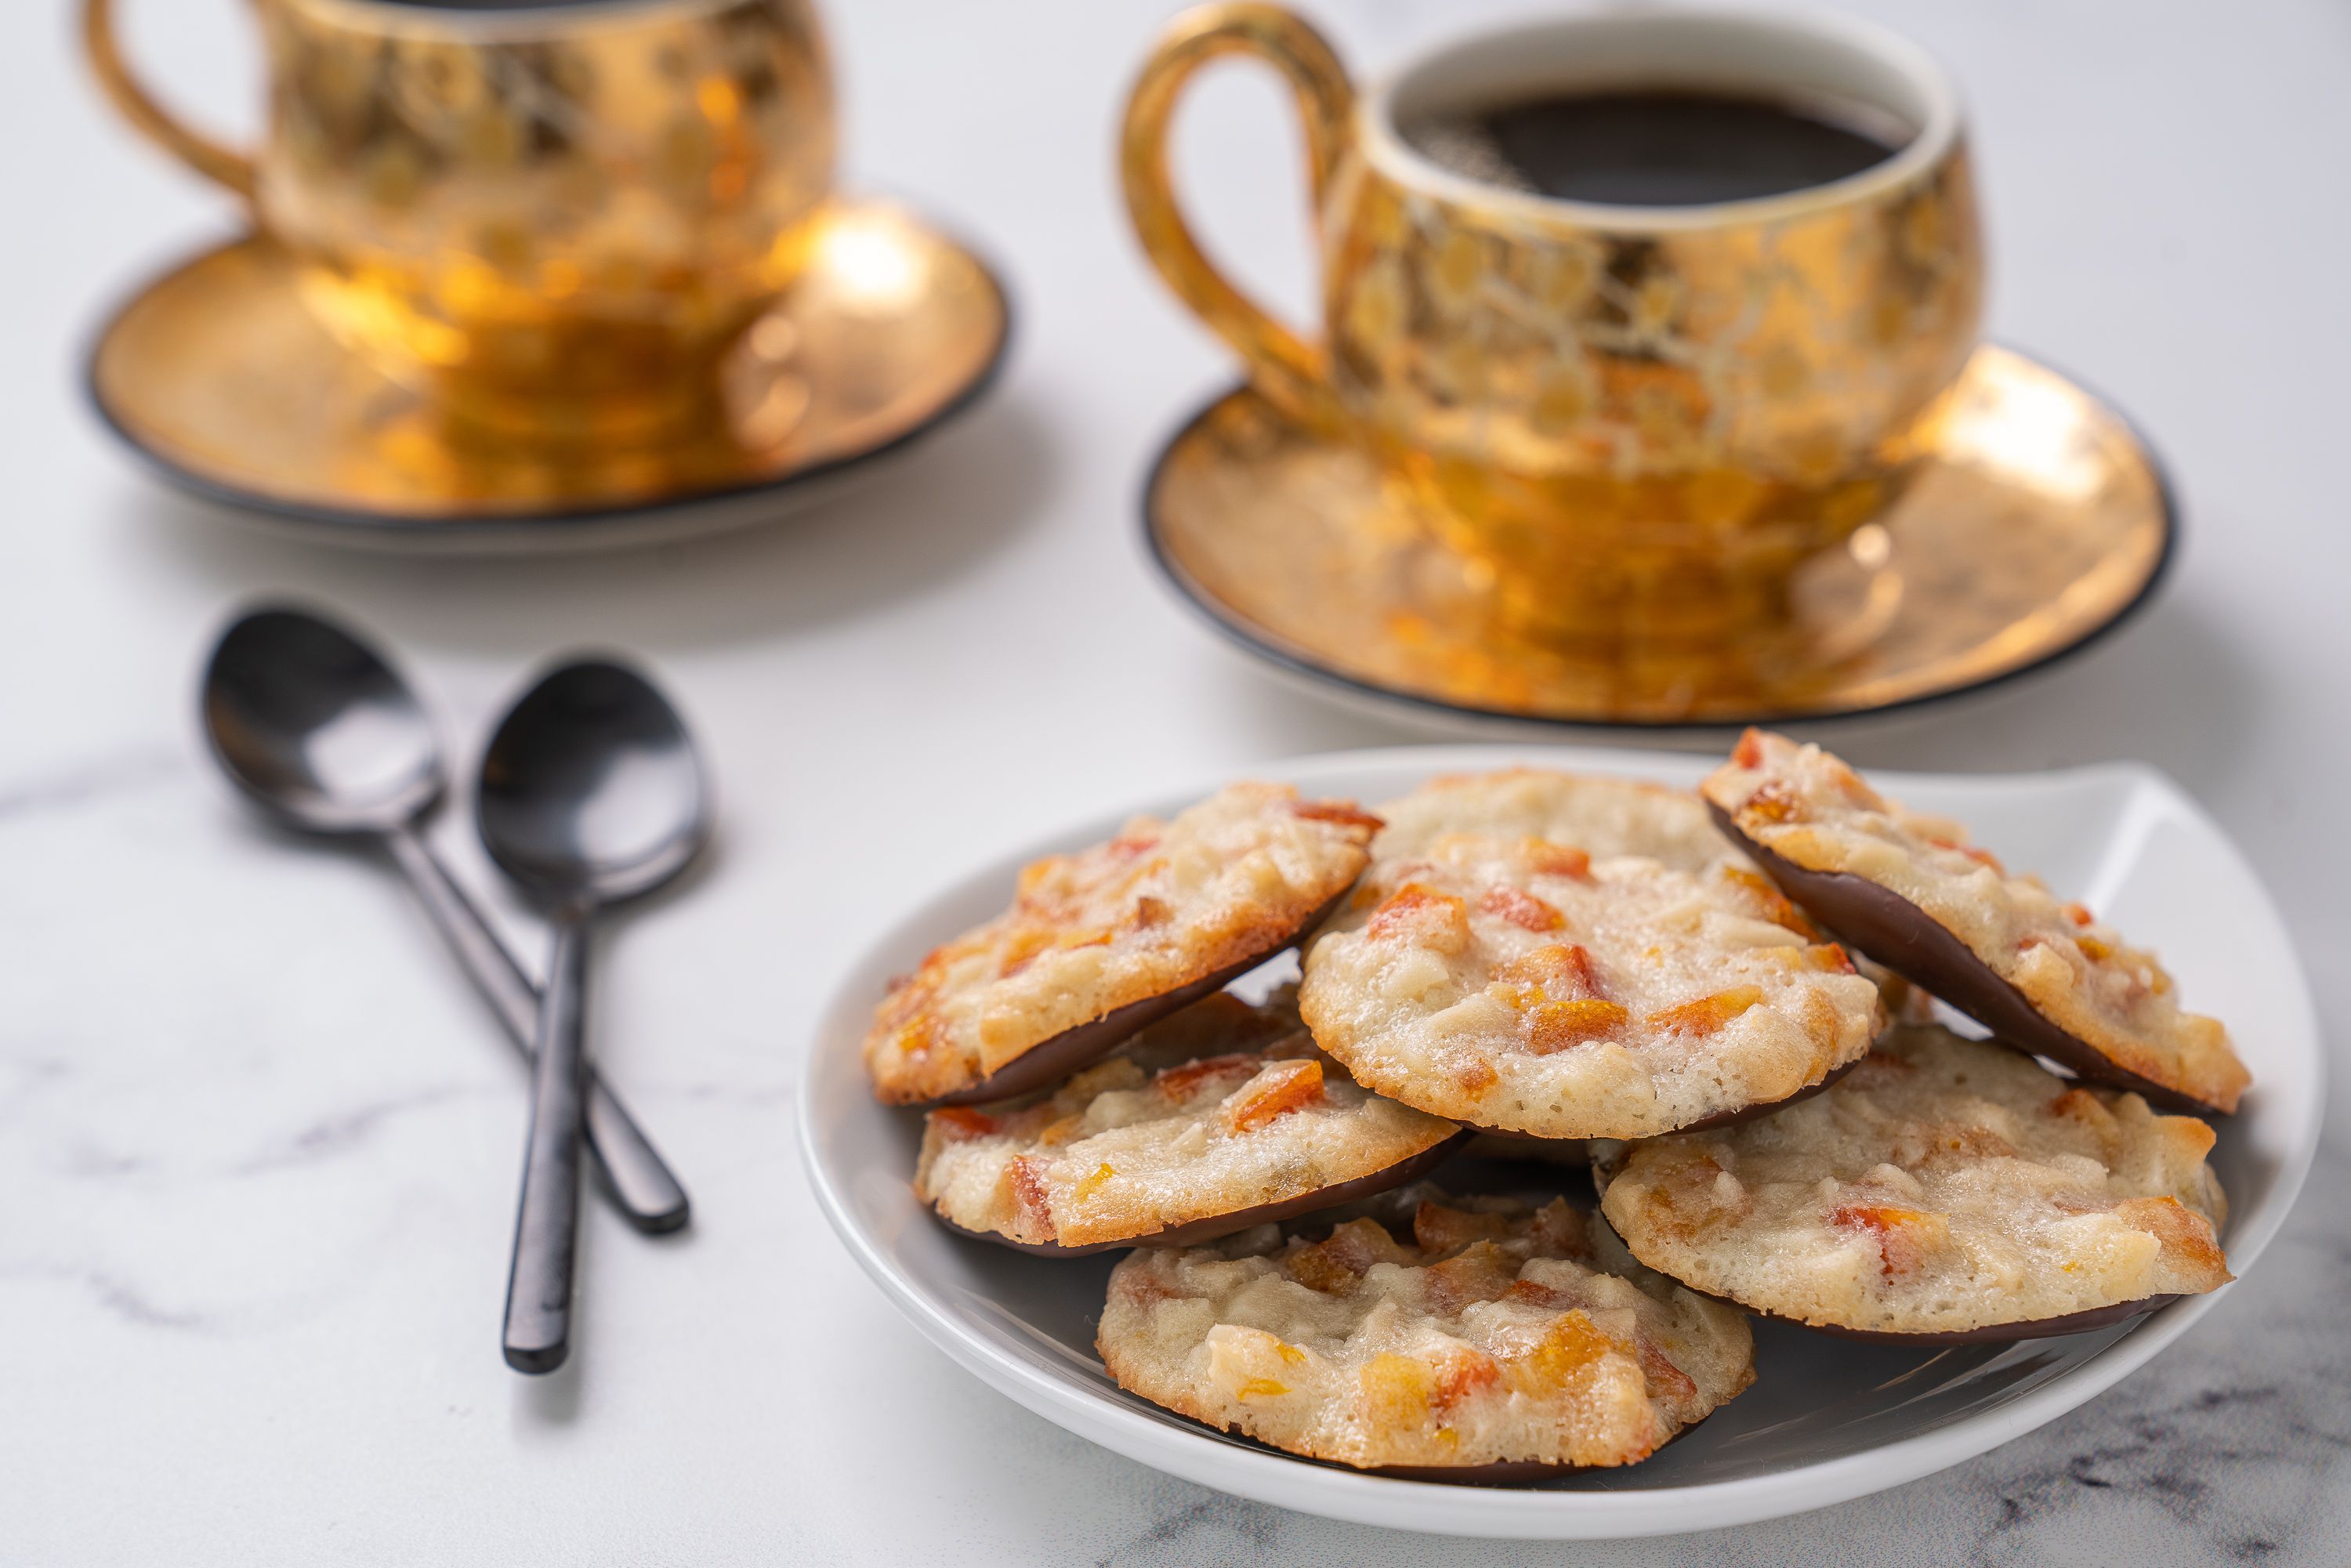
[(314, 728), (591, 793)]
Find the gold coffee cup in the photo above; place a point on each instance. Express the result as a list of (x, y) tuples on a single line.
[(554, 220), (1641, 420)]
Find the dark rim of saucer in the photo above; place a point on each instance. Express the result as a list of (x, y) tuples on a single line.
[(1252, 641), (539, 527)]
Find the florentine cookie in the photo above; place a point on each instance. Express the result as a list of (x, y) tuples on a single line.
[(1479, 1332), (1602, 816), (1218, 1117), (1521, 986), (1100, 943), (1912, 892), (1946, 1186)]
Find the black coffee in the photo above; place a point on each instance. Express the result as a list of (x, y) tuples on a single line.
[(1656, 147)]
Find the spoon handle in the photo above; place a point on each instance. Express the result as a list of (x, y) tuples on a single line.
[(547, 1225), (635, 1176)]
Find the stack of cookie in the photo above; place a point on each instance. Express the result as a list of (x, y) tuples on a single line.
[(1722, 1001)]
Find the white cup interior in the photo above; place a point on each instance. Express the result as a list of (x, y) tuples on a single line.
[(1798, 56)]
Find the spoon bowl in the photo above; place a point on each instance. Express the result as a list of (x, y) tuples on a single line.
[(591, 790), (316, 727)]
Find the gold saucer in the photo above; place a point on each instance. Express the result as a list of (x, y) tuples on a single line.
[(2040, 521), (218, 375)]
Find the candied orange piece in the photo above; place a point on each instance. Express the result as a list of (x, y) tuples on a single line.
[(2092, 948), (2077, 912), (1560, 1229), (1776, 907), (1772, 803), (1522, 909), (1533, 1293), (957, 1124), (1562, 970), (1346, 813), (1478, 1272), (1828, 957), (1474, 1074), (1556, 860), (1709, 1013), (1664, 1380), (1129, 846), (917, 1038), (1360, 1243), (1317, 1269), (1964, 1141), (1463, 1373), (1091, 1184), (1562, 1026), (1695, 1195), (1904, 1236), (1024, 947), (1283, 1087), (1571, 1344), (1397, 1391), (1441, 1230), (1338, 1261), (1259, 1388), (1424, 917), (1049, 933), (2176, 1226), (1180, 1082), (2082, 1105), (1748, 752), (1031, 1206)]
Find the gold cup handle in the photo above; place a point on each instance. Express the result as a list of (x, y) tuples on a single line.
[(1293, 374), (222, 164)]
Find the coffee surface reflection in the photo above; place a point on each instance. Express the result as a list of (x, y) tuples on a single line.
[(1661, 146)]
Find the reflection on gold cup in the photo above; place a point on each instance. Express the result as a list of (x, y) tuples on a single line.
[(1640, 420), (554, 220)]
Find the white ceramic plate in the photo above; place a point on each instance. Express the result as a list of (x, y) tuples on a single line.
[(1828, 1419)]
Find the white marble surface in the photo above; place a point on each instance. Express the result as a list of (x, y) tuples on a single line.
[(257, 1143)]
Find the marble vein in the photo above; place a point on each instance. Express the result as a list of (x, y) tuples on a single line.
[(348, 1132), (91, 782), (117, 1297)]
